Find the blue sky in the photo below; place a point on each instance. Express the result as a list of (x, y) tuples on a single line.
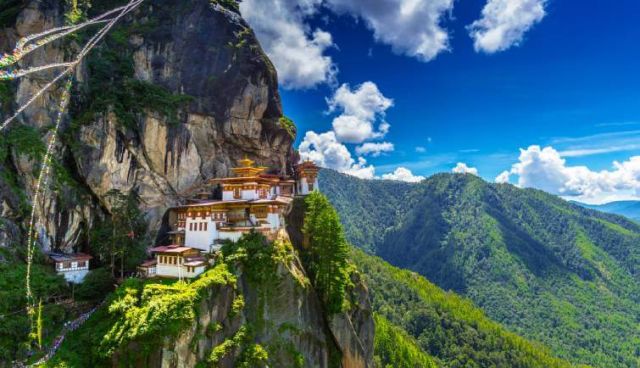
[(569, 80)]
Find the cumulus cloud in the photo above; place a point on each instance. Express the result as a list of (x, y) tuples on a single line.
[(297, 51), (462, 168), (403, 174), (504, 23), (411, 27), (503, 178), (421, 149), (360, 109), (374, 149), (545, 169), (325, 150)]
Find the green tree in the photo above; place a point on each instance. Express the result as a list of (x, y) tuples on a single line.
[(327, 251), (96, 285), (122, 238)]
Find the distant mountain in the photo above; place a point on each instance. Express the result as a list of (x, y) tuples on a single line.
[(547, 269), (630, 209)]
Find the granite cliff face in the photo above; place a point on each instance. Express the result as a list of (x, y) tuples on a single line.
[(173, 96), (176, 94)]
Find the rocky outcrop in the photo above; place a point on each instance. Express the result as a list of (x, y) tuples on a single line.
[(354, 330), (198, 50)]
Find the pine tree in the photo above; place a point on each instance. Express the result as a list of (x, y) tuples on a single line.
[(328, 251)]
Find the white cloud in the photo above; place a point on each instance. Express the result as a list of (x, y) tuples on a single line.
[(503, 177), (297, 51), (421, 149), (462, 168), (360, 109), (411, 27), (598, 143), (374, 149), (545, 169), (504, 23), (403, 174), (325, 150)]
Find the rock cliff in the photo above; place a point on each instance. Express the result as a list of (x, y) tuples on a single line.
[(174, 95)]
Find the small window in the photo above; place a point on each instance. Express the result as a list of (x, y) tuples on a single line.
[(310, 187), (205, 226), (66, 265), (82, 264), (237, 193)]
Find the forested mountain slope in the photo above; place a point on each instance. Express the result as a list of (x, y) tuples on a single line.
[(366, 207), (449, 328), (547, 269)]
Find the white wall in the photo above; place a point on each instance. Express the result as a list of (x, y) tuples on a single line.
[(230, 235), (303, 186), (76, 276), (174, 271), (200, 239), (274, 220), (248, 194), (197, 271)]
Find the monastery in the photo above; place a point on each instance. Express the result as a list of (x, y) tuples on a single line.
[(74, 267), (250, 200)]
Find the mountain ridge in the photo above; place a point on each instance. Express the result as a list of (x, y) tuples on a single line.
[(549, 270), (630, 209)]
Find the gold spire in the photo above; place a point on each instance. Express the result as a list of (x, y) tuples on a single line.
[(247, 168), (246, 162)]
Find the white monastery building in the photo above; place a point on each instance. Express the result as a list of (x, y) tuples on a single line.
[(74, 267), (251, 200), (174, 261)]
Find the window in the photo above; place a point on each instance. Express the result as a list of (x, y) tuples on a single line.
[(205, 226), (237, 193), (66, 265), (310, 187), (82, 264)]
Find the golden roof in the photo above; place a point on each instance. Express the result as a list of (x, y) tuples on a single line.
[(247, 168)]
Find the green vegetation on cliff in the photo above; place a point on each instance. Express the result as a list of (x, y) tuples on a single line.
[(289, 126), (326, 251), (238, 311), (15, 327), (140, 312), (547, 269)]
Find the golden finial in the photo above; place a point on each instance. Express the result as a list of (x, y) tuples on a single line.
[(246, 161)]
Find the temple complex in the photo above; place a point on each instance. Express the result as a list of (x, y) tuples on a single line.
[(250, 200)]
